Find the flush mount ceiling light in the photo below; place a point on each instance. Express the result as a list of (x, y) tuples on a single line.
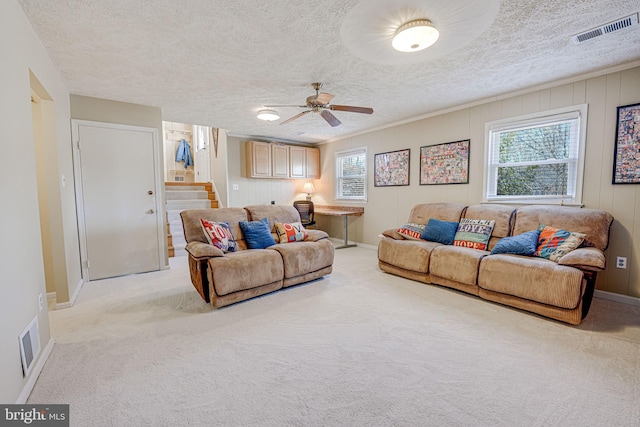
[(268, 115), (415, 35)]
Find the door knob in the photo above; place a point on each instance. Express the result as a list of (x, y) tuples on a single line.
[(150, 211), (150, 192)]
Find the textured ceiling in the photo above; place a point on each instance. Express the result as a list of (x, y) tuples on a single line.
[(217, 62)]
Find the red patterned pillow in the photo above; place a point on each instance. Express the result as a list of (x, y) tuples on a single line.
[(219, 235), (554, 243), (293, 232), (411, 231)]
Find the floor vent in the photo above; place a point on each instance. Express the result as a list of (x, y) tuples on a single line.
[(611, 27), (29, 345)]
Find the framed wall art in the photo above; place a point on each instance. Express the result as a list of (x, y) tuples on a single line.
[(626, 157), (391, 169), (445, 163)]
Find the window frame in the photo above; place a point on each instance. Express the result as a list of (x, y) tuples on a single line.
[(344, 154), (539, 119)]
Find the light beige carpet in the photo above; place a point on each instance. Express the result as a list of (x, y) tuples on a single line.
[(358, 348)]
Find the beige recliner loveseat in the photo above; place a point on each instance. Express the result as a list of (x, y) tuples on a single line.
[(226, 278), (560, 290)]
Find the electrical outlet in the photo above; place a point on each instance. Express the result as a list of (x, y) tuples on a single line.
[(40, 302), (236, 187), (621, 262), (273, 202)]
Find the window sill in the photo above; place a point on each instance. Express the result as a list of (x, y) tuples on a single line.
[(532, 202)]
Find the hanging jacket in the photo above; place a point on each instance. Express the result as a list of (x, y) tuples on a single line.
[(183, 154)]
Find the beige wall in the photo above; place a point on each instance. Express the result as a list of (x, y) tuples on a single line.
[(252, 191), (389, 207), (21, 259)]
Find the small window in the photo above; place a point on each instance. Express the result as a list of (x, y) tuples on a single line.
[(351, 174), (537, 158)]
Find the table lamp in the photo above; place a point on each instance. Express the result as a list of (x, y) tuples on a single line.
[(308, 188)]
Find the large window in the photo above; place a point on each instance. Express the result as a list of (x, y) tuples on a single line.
[(537, 158), (351, 174)]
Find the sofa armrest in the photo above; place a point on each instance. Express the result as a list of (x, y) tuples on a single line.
[(315, 235), (393, 234), (199, 250), (591, 259)]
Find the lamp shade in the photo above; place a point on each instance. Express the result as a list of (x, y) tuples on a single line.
[(415, 35), (268, 115), (308, 188)]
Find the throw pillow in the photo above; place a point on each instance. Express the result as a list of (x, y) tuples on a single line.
[(440, 231), (555, 243), (522, 244), (257, 234), (219, 235), (411, 230), (293, 232), (474, 233)]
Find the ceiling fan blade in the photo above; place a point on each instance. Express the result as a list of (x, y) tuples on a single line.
[(363, 110), (282, 105), (324, 98), (330, 118), (297, 116)]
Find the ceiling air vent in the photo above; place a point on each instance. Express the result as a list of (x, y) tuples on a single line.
[(611, 27)]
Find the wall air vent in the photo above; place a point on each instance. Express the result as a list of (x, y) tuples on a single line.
[(29, 345), (179, 178), (611, 27)]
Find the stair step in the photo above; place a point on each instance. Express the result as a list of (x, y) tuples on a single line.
[(188, 204), (186, 195)]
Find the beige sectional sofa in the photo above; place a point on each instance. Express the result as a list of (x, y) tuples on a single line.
[(226, 278), (560, 290)]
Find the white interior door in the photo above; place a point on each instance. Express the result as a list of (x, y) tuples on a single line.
[(119, 199)]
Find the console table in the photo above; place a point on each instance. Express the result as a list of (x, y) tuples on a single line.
[(345, 212)]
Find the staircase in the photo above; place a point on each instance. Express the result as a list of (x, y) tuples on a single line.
[(181, 196)]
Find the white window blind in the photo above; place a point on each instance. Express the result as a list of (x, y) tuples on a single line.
[(536, 159), (351, 174)]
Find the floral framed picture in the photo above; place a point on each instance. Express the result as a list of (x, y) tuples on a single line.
[(626, 158), (446, 163), (391, 169)]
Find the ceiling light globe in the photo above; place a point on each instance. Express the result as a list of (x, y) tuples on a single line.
[(268, 115), (415, 36)]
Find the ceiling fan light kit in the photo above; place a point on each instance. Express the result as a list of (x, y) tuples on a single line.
[(415, 36), (268, 115)]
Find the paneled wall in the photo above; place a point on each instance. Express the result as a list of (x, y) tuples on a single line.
[(389, 207)]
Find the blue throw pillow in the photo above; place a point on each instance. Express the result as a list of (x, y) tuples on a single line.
[(257, 234), (440, 231), (522, 244)]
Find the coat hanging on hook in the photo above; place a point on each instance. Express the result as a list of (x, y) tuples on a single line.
[(183, 154)]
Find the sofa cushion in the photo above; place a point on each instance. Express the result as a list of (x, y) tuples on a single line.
[(456, 263), (474, 233), (244, 270), (533, 279), (440, 231), (290, 232), (305, 257), (592, 222), (193, 229), (522, 244), (410, 255), (421, 213), (554, 243), (219, 235), (257, 234), (503, 215), (411, 230)]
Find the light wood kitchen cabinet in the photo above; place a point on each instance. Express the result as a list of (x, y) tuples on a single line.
[(312, 160), (279, 161), (258, 156), (297, 162), (276, 160)]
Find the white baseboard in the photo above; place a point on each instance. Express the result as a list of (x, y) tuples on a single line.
[(74, 297), (51, 295), (610, 296), (37, 369)]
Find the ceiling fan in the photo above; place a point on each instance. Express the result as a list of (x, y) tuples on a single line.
[(319, 103)]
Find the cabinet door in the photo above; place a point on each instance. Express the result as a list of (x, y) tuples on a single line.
[(312, 162), (280, 161), (297, 161), (258, 159)]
